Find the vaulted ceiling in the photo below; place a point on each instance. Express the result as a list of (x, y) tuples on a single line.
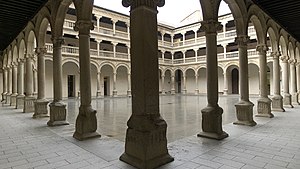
[(14, 15)]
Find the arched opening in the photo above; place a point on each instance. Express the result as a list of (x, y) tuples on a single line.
[(202, 80), (235, 81), (254, 79), (49, 79), (122, 81), (107, 81), (70, 79), (190, 81), (178, 81), (93, 80)]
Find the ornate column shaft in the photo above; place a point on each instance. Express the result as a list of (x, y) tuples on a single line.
[(264, 103), (146, 141), (20, 97), (225, 90), (293, 82), (244, 108), (4, 84), (115, 92), (163, 84), (287, 97), (86, 122), (58, 111), (29, 98), (184, 84), (277, 99), (99, 84), (9, 84), (13, 99), (212, 113), (40, 106), (197, 85), (129, 84)]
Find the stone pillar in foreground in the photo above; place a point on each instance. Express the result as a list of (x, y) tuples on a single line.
[(13, 99), (277, 99), (58, 111), (212, 113), (40, 106), (86, 122), (146, 140), (244, 108), (29, 98), (21, 96), (263, 103), (4, 84), (293, 82), (287, 97)]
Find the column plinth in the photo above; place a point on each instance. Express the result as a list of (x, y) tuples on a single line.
[(287, 100), (212, 123), (29, 98), (146, 140), (244, 111), (86, 130), (28, 104), (20, 102), (58, 114), (264, 107), (40, 108), (277, 103)]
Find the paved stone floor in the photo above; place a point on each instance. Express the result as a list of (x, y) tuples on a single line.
[(272, 144)]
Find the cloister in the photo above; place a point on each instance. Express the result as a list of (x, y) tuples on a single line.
[(245, 52)]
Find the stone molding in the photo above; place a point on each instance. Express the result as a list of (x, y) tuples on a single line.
[(84, 26), (149, 3), (242, 40), (262, 48), (211, 26)]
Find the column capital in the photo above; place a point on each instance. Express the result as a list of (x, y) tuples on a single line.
[(210, 26), (41, 50), (149, 3), (242, 40), (58, 41), (293, 61), (284, 59), (84, 26), (275, 54), (262, 48), (21, 60)]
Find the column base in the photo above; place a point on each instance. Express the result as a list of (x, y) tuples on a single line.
[(20, 102), (40, 109), (115, 93), (129, 93), (98, 94), (173, 92), (86, 124), (225, 92), (3, 97), (184, 91), (264, 108), (28, 104), (13, 100), (196, 91), (7, 100), (212, 123), (287, 100), (295, 99), (146, 145), (58, 114), (244, 113), (277, 103)]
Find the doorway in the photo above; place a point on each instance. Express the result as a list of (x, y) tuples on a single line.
[(235, 81), (178, 80), (71, 85), (106, 86)]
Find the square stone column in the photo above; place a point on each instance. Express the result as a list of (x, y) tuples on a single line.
[(146, 140)]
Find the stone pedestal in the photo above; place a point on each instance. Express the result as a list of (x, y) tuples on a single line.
[(40, 109), (196, 91), (98, 94), (277, 103), (28, 104), (244, 113), (184, 91), (264, 108), (212, 123), (58, 113), (3, 97), (115, 93), (129, 93), (20, 102), (7, 100), (86, 124), (295, 99), (146, 144), (287, 100), (173, 92), (13, 100)]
